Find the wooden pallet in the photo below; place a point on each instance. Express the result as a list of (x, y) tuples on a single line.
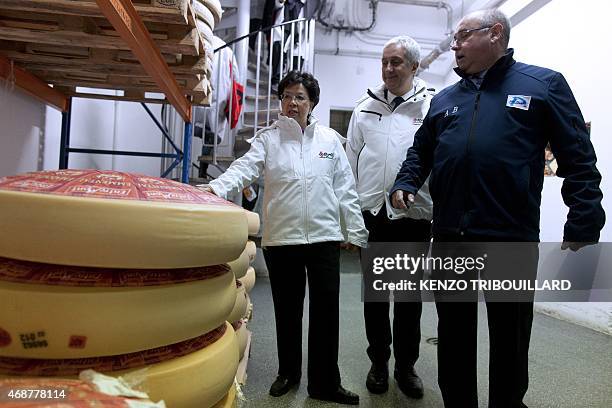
[(68, 43)]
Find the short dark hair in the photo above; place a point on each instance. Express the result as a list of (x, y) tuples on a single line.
[(307, 80)]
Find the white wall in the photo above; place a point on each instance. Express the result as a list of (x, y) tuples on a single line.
[(22, 120), (345, 77), (109, 125), (574, 41)]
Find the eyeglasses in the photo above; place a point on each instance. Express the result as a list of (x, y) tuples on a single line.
[(462, 35), (297, 98)]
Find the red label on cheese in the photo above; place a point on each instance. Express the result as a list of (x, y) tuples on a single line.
[(36, 273), (109, 184), (5, 338)]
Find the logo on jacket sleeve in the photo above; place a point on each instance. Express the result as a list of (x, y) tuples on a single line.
[(417, 121), (518, 101), (325, 155)]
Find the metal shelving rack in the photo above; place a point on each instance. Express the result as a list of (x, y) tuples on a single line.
[(126, 21)]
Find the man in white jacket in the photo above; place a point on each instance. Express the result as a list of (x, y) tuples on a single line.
[(381, 130)]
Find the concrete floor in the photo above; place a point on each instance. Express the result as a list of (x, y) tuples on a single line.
[(570, 366)]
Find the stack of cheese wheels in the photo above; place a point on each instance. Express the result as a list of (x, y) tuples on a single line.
[(124, 274), (245, 280)]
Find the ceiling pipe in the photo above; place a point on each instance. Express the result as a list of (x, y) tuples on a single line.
[(341, 26)]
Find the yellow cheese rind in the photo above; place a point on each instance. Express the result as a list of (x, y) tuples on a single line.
[(248, 280), (242, 334), (112, 320), (239, 266), (110, 233), (229, 401), (197, 380), (253, 221), (251, 249), (240, 307)]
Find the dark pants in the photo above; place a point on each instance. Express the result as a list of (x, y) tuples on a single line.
[(406, 315), (276, 55), (288, 267), (509, 335)]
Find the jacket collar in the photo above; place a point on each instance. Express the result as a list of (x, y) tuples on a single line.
[(500, 66), (290, 126), (379, 92)]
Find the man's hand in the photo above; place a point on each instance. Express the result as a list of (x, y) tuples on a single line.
[(575, 246), (402, 199)]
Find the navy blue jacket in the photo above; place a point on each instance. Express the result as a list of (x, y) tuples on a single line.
[(485, 151)]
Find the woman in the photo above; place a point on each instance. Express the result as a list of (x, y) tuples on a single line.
[(308, 187)]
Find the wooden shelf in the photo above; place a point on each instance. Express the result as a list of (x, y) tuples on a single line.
[(138, 46)]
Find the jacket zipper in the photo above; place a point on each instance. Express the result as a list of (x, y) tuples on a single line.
[(373, 113), (305, 192), (357, 166), (468, 187)]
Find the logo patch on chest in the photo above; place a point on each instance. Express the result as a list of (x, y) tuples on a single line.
[(518, 102), (417, 121), (325, 155)]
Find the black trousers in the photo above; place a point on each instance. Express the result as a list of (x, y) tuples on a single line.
[(509, 335), (289, 266), (406, 334)]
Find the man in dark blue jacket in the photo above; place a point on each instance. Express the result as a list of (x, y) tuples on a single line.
[(483, 142)]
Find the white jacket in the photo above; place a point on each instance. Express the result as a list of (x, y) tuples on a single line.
[(378, 139), (308, 185)]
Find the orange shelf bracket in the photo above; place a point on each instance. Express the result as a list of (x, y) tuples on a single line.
[(123, 16), (32, 85)]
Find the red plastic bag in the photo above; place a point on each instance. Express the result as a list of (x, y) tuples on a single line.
[(237, 100)]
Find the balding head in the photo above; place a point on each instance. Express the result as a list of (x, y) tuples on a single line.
[(480, 40)]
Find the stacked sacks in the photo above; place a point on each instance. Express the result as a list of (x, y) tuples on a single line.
[(123, 274), (208, 13)]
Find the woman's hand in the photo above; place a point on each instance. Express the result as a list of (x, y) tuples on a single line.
[(207, 188)]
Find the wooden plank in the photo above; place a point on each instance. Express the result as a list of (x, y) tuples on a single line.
[(124, 18), (144, 84), (174, 14), (32, 85), (188, 45), (123, 98), (57, 63), (84, 57)]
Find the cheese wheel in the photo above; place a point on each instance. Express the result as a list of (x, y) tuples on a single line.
[(191, 374), (240, 307), (51, 311), (251, 249), (202, 12), (229, 401), (214, 6), (116, 220), (248, 280), (253, 222), (242, 335), (249, 310), (239, 266)]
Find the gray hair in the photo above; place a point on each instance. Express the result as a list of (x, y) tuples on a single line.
[(491, 17), (412, 50)]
